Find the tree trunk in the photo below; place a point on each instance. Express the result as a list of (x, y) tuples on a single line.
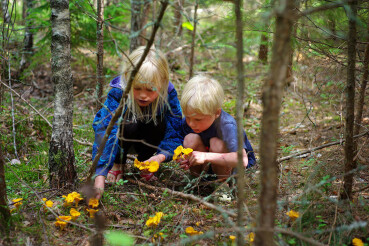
[(100, 53), (135, 24), (239, 116), (364, 82), (4, 211), (192, 56), (263, 48), (144, 18), (28, 38), (178, 5), (61, 154), (272, 97), (350, 164), (5, 11)]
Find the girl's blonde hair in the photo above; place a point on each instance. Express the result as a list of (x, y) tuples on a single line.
[(153, 73), (202, 95)]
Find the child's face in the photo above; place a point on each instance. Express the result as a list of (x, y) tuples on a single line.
[(144, 96), (200, 122)]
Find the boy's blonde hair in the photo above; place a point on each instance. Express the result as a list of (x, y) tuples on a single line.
[(153, 73), (202, 95)]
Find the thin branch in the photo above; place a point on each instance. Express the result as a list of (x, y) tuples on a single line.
[(320, 8), (185, 196), (38, 112), (319, 147), (126, 91)]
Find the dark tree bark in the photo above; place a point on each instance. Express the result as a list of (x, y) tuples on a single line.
[(5, 11), (145, 16), (100, 53), (135, 24), (364, 82), (263, 48), (192, 56), (61, 153), (4, 211), (272, 97), (178, 5), (350, 164), (239, 116), (28, 38)]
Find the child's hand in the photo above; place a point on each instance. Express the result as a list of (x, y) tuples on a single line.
[(183, 163), (197, 158)]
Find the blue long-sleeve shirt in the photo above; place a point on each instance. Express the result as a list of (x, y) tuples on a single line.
[(172, 137)]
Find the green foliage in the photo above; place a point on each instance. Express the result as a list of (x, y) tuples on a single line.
[(117, 238)]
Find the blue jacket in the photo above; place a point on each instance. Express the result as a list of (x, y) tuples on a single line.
[(172, 137), (224, 128)]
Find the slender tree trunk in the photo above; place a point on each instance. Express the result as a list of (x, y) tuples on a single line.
[(100, 53), (135, 24), (263, 48), (5, 11), (178, 5), (144, 18), (192, 56), (4, 211), (24, 10), (61, 154), (28, 38), (364, 82), (350, 164), (272, 98), (239, 116)]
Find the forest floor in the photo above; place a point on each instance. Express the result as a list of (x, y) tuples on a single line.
[(309, 184)]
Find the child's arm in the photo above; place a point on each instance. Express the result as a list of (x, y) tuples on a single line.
[(221, 159), (101, 122)]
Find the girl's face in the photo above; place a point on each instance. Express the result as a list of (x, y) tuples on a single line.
[(144, 96)]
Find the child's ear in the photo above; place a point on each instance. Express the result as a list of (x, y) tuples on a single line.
[(217, 114)]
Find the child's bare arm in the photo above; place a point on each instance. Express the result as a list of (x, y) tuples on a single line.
[(221, 159)]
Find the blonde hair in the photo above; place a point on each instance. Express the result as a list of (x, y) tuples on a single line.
[(153, 73), (202, 95)]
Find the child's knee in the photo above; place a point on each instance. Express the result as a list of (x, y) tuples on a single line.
[(192, 141), (217, 146)]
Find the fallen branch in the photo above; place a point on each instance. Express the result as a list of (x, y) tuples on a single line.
[(185, 196), (319, 147)]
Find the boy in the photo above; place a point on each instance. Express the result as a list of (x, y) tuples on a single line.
[(210, 131)]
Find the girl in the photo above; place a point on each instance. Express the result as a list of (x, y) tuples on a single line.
[(152, 115)]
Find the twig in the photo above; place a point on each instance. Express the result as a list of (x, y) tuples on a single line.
[(186, 196), (361, 189), (319, 147), (119, 110), (297, 235), (43, 228), (12, 102), (39, 113)]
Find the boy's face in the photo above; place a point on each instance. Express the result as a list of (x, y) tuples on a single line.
[(200, 122)]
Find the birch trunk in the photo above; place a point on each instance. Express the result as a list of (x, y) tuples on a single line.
[(28, 37), (61, 153), (272, 98)]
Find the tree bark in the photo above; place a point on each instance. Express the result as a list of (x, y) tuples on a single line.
[(135, 24), (178, 5), (28, 38), (100, 53), (263, 48), (239, 116), (192, 56), (5, 11), (61, 153), (4, 211), (145, 16), (272, 97), (350, 164)]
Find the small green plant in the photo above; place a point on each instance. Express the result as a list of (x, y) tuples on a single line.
[(287, 149)]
